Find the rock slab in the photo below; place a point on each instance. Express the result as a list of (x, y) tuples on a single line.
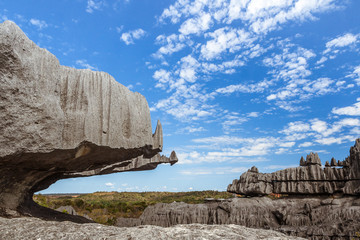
[(59, 122), (32, 228)]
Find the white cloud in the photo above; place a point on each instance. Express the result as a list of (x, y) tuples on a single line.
[(306, 144), (83, 63), (110, 185), (356, 75), (212, 171), (322, 60), (319, 86), (353, 110), (337, 140), (94, 5), (341, 41), (225, 39), (129, 37), (163, 77), (322, 132), (357, 72), (191, 129), (196, 25), (171, 44), (247, 147), (227, 67), (276, 167), (38, 23), (245, 88), (260, 16), (291, 64), (231, 120)]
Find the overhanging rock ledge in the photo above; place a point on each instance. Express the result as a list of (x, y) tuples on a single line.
[(59, 122)]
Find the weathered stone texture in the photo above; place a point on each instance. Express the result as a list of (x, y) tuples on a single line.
[(309, 178), (32, 228), (59, 122), (312, 218)]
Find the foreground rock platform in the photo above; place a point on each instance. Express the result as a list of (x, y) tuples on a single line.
[(310, 178), (33, 228), (59, 122)]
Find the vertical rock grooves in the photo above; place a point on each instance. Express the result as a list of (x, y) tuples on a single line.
[(59, 122), (308, 179)]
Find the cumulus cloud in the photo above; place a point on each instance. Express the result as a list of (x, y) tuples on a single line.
[(129, 37), (38, 23), (196, 25), (355, 75), (191, 129), (171, 44), (225, 39), (245, 88), (94, 5), (353, 110), (203, 28), (110, 185), (83, 63), (260, 16), (345, 40), (212, 171), (320, 131), (247, 147)]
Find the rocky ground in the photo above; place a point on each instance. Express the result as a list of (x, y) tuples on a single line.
[(34, 228), (312, 217)]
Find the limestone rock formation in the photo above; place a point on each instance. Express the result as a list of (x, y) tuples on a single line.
[(312, 217), (59, 122), (32, 228), (322, 203), (310, 178)]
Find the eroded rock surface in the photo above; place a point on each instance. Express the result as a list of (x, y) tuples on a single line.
[(59, 122), (320, 203), (313, 218), (308, 179), (32, 228)]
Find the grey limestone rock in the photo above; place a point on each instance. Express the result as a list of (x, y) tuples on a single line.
[(59, 122), (310, 178), (312, 217), (32, 228)]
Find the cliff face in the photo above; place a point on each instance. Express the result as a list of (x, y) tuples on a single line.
[(310, 178), (59, 122)]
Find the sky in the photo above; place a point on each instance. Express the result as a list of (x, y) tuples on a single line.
[(235, 83)]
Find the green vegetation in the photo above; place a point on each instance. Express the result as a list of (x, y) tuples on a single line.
[(106, 207)]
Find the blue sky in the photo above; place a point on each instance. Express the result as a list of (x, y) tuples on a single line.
[(235, 83)]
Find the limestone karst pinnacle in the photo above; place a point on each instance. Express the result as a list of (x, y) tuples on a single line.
[(59, 122), (308, 179)]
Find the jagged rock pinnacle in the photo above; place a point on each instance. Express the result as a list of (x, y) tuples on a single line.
[(309, 178)]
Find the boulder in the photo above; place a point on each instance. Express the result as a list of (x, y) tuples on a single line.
[(58, 122)]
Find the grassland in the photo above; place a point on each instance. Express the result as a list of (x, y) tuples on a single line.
[(105, 207)]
